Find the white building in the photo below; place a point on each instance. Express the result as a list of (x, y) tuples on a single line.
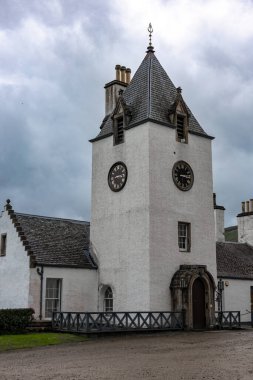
[(45, 264), (235, 262), (152, 224), (152, 244)]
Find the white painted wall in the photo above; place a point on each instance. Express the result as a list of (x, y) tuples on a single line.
[(14, 269), (34, 292), (236, 297), (219, 225), (245, 229), (169, 205), (20, 285), (134, 232), (79, 288), (120, 220)]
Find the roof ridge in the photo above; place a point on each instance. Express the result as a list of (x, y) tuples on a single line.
[(52, 217)]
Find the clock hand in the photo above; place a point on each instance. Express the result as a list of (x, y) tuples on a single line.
[(118, 176), (185, 176)]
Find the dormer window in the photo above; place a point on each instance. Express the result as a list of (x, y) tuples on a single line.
[(118, 130), (180, 127), (179, 116), (120, 118)]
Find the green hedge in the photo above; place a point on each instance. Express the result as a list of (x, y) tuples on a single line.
[(14, 320)]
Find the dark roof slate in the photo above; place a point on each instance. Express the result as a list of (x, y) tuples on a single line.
[(150, 95), (56, 241), (234, 260)]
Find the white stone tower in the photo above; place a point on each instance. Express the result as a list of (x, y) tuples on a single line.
[(152, 222)]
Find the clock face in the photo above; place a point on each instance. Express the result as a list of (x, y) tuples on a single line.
[(182, 175), (117, 176)]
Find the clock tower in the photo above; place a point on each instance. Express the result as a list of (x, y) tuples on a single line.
[(152, 223)]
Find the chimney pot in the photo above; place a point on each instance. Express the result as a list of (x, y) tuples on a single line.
[(243, 206), (247, 206), (251, 205), (117, 68), (123, 74), (128, 75)]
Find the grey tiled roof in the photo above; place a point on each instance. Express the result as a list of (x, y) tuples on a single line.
[(234, 260), (150, 95), (57, 242)]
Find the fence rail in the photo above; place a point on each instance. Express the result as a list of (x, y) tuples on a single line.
[(120, 321), (228, 319)]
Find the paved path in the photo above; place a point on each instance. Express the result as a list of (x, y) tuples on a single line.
[(221, 355)]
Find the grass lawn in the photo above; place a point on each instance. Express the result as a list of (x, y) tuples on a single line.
[(29, 340)]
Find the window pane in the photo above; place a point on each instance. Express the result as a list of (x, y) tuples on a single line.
[(183, 236), (53, 295), (108, 300)]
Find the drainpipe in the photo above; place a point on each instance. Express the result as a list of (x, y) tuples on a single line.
[(41, 274)]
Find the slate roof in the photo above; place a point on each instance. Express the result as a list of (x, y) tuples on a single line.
[(149, 96), (55, 241), (234, 260)]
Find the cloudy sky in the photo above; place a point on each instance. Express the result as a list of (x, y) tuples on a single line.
[(56, 56)]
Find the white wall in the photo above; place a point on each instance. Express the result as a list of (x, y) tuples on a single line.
[(169, 205), (134, 232), (236, 297), (120, 220), (20, 285), (14, 269), (219, 224), (79, 288), (245, 229)]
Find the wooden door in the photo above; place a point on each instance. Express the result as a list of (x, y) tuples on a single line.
[(198, 304)]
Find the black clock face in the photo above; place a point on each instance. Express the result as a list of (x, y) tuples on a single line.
[(117, 176), (182, 175)]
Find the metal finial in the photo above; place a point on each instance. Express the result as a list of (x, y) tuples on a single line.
[(8, 205), (150, 30), (150, 47)]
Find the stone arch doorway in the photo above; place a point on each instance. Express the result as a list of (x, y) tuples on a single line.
[(192, 290), (198, 304)]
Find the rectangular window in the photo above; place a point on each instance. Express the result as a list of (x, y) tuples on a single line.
[(119, 133), (184, 236), (53, 296), (3, 244)]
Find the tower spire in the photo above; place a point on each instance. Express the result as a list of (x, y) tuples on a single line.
[(150, 48)]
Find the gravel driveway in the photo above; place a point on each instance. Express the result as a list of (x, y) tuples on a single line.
[(212, 355)]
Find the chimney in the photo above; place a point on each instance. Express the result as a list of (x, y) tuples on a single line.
[(117, 68), (245, 223), (112, 89), (123, 74), (128, 75), (218, 220)]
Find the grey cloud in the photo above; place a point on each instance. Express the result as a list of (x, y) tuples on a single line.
[(54, 102)]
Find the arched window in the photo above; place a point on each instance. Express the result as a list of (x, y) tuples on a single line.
[(108, 300)]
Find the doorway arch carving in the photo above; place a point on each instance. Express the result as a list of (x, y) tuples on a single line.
[(184, 296)]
